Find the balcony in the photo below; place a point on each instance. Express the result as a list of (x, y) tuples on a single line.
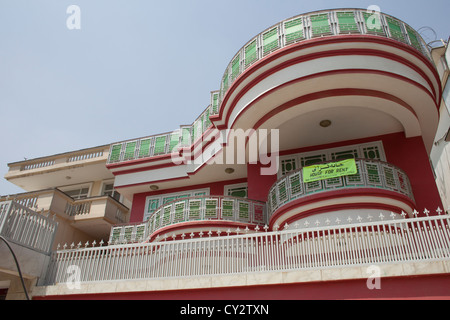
[(385, 242), (93, 216), (61, 169), (378, 185), (195, 216)]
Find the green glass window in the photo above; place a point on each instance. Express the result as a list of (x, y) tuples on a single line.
[(174, 141), (250, 53), (144, 149), (227, 209), (282, 191), (373, 24), (373, 174), (115, 153), (140, 232), (130, 149), (235, 67), (413, 38), (215, 103), (243, 211), (320, 25), (166, 216), (270, 40), (186, 139), (296, 184), (288, 165), (160, 145), (294, 30), (389, 177), (179, 211), (194, 209), (211, 208), (347, 23), (395, 29)]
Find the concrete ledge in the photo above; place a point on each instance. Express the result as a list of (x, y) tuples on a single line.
[(249, 279)]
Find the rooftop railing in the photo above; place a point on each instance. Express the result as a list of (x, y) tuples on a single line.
[(303, 27), (318, 24), (380, 242)]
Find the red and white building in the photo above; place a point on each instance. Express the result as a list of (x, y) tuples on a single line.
[(201, 213)]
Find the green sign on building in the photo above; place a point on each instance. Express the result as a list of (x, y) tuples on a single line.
[(329, 170)]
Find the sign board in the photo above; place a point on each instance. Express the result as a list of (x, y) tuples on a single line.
[(329, 170)]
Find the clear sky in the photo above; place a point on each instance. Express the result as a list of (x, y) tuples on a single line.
[(136, 67)]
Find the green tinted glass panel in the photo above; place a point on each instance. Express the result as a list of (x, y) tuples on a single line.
[(144, 149), (227, 209), (115, 153), (215, 103), (194, 210), (389, 176), (250, 53), (140, 231), (174, 141), (395, 29), (160, 145), (243, 211), (235, 68), (225, 83), (186, 137), (320, 24), (296, 185), (347, 22), (153, 205), (373, 23), (207, 121), (372, 173), (210, 209), (129, 150), (282, 191), (413, 38), (294, 30), (166, 216), (270, 40), (179, 212)]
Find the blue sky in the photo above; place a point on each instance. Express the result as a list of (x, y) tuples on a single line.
[(135, 68)]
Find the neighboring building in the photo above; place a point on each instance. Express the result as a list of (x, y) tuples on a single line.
[(223, 208)]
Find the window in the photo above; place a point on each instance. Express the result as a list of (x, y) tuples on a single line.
[(154, 202), (108, 190), (80, 193), (236, 190), (371, 150)]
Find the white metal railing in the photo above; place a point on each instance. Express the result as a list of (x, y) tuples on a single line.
[(381, 242), (25, 227)]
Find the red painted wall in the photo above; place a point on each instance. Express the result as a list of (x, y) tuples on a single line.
[(419, 287)]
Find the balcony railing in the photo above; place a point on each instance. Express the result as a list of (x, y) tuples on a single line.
[(318, 24), (23, 226), (380, 242), (371, 174), (163, 144), (198, 208)]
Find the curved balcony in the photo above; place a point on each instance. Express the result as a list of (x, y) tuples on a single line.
[(319, 24), (378, 186), (195, 216)]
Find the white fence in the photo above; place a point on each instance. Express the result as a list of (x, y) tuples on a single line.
[(25, 227), (416, 239)]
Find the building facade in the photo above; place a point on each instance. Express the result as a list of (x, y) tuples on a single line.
[(311, 163)]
